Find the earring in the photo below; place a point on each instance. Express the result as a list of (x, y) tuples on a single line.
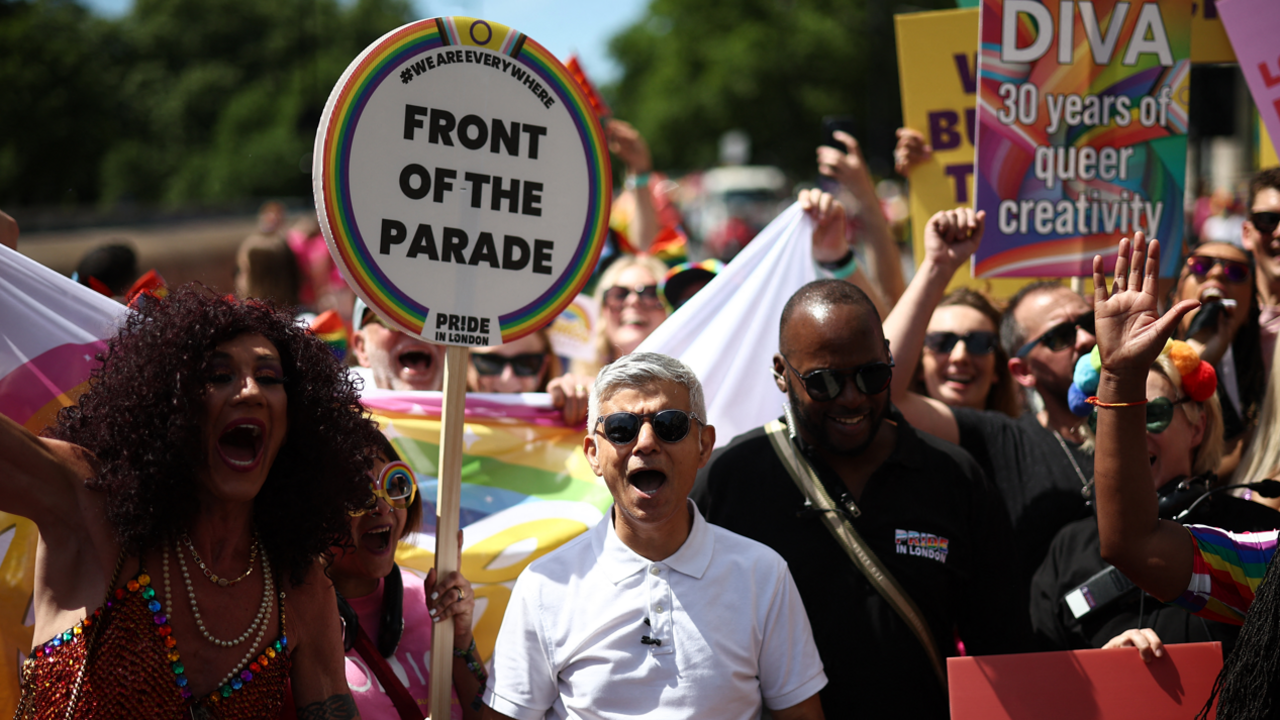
[(777, 376)]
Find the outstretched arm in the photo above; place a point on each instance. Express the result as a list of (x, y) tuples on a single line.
[(884, 264), (38, 477), (829, 243), (627, 143), (1155, 554), (950, 238)]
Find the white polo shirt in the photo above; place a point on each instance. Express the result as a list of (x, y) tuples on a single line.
[(733, 632)]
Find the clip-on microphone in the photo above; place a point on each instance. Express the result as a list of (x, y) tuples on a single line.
[(646, 640)]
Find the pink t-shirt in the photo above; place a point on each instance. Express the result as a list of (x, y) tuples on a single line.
[(411, 662)]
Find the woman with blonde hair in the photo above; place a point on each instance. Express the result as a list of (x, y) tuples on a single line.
[(1184, 446), (630, 309), (1262, 459)]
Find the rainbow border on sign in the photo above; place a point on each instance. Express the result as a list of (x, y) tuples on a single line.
[(377, 63)]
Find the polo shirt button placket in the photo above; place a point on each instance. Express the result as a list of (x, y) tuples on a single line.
[(660, 610)]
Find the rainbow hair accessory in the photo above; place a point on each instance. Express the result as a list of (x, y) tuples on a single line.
[(386, 61), (1198, 379)]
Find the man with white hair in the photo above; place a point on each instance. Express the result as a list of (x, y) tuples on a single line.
[(654, 612)]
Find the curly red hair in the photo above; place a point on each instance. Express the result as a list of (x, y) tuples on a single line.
[(142, 418)]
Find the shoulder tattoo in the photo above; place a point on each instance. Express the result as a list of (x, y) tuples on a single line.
[(335, 707)]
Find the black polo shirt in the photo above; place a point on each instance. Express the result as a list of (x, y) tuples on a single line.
[(936, 524), (1035, 476)]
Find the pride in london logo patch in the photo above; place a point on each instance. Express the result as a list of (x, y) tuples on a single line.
[(911, 542)]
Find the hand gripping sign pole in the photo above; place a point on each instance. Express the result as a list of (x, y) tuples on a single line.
[(463, 186)]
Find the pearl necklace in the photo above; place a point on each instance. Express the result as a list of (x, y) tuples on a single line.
[(248, 657), (221, 581), (264, 608)]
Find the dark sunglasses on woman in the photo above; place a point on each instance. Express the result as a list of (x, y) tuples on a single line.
[(1060, 336), (1234, 270), (617, 295), (825, 385), (523, 365), (1159, 414), (978, 342), (670, 426), (1265, 222)]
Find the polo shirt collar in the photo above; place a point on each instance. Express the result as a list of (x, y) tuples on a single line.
[(620, 562)]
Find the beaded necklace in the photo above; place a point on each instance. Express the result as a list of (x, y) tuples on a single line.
[(264, 608), (233, 680), (220, 581)]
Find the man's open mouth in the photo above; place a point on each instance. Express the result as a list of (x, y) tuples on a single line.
[(241, 442), (647, 481), (376, 540), (417, 362)]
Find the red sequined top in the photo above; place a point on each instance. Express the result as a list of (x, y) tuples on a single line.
[(136, 670)]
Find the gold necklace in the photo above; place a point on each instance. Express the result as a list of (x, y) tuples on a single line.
[(259, 620), (221, 581)]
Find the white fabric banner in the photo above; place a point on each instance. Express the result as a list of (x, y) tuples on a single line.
[(728, 332)]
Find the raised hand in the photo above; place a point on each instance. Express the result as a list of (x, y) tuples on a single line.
[(910, 151), (952, 236), (829, 242), (1131, 333), (627, 143), (847, 167)]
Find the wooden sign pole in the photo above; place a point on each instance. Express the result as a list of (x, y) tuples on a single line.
[(447, 507)]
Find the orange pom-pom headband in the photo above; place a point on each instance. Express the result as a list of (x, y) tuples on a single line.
[(1199, 380)]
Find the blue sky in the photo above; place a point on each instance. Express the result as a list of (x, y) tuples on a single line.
[(562, 26)]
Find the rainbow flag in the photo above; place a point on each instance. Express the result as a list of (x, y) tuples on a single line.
[(329, 327), (526, 488), (51, 330)]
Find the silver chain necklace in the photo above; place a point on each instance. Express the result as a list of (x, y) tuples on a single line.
[(1085, 488)]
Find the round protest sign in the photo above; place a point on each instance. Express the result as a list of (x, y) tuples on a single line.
[(462, 180)]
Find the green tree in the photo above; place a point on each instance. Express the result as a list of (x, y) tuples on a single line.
[(179, 102), (56, 81), (223, 97), (693, 70)]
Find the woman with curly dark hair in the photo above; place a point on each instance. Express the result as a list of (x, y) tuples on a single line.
[(209, 465)]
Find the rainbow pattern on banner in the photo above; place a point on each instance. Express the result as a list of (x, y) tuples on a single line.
[(526, 488), (1005, 159), (378, 64)]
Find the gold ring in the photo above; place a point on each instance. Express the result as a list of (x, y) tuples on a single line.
[(579, 388), (461, 595)]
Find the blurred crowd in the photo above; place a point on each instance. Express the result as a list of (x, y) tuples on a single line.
[(957, 425)]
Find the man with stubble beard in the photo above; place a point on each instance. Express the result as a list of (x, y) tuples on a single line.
[(921, 506), (392, 359)]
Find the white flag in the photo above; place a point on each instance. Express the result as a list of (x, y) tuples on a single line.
[(728, 332)]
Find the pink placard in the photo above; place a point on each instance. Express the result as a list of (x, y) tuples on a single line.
[(1252, 27), (1084, 684)]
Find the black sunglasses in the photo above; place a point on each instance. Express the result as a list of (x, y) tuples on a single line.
[(523, 365), (1159, 414), (1265, 221), (978, 342), (617, 295), (825, 385), (1060, 336), (671, 426), (1234, 270)]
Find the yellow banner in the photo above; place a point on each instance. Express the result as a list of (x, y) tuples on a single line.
[(1209, 42), (938, 72)]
